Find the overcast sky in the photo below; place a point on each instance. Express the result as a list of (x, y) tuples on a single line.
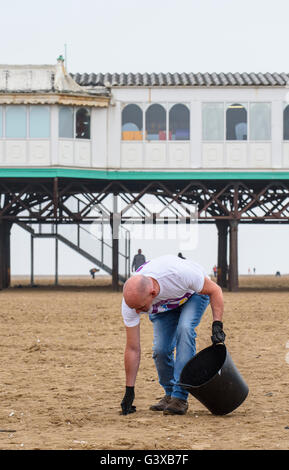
[(148, 36), (152, 36)]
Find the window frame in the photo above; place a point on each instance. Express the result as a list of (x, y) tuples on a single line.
[(141, 107), (249, 122), (4, 136), (75, 109), (165, 107), (224, 122), (144, 107), (285, 105), (29, 121), (246, 106), (26, 122), (169, 108)]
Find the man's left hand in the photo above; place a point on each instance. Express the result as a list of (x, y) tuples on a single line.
[(218, 335)]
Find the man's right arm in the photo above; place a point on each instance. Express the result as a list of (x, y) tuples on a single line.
[(131, 362), (132, 354)]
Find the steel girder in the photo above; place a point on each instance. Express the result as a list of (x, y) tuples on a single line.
[(86, 201)]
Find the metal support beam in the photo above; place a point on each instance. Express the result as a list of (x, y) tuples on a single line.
[(115, 222), (222, 227), (52, 201), (233, 266), (5, 228)]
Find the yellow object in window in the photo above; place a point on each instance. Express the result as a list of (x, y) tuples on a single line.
[(132, 135)]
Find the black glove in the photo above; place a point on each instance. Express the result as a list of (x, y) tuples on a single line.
[(126, 404), (218, 336)]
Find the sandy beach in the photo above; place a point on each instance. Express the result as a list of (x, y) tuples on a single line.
[(62, 375)]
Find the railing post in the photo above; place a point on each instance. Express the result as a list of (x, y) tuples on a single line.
[(78, 235), (78, 227), (129, 256), (56, 256), (102, 243), (32, 260)]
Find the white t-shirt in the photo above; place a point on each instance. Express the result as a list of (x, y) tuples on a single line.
[(178, 279)]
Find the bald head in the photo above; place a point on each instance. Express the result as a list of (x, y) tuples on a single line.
[(138, 292)]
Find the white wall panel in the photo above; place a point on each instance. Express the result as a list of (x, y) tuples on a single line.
[(179, 155), (65, 152), (236, 155), (190, 94), (259, 155), (99, 138), (132, 155), (82, 153), (54, 135), (285, 159), (2, 154), (213, 155), (155, 155), (38, 153), (16, 152), (196, 134), (277, 133), (114, 136)]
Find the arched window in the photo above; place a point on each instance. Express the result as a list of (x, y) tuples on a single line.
[(156, 122), (179, 122), (286, 122), (132, 123), (82, 125), (236, 122)]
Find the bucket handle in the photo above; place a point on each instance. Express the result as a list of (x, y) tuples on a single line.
[(184, 385)]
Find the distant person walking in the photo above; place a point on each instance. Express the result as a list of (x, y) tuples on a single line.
[(215, 271), (138, 260)]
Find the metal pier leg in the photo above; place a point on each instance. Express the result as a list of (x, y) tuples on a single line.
[(115, 245), (5, 228), (222, 227), (233, 268)]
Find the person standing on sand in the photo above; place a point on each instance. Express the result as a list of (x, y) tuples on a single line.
[(138, 260), (92, 272), (175, 293)]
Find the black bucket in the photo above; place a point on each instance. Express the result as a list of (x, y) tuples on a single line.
[(212, 378)]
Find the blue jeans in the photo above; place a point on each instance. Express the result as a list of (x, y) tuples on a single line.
[(175, 329)]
